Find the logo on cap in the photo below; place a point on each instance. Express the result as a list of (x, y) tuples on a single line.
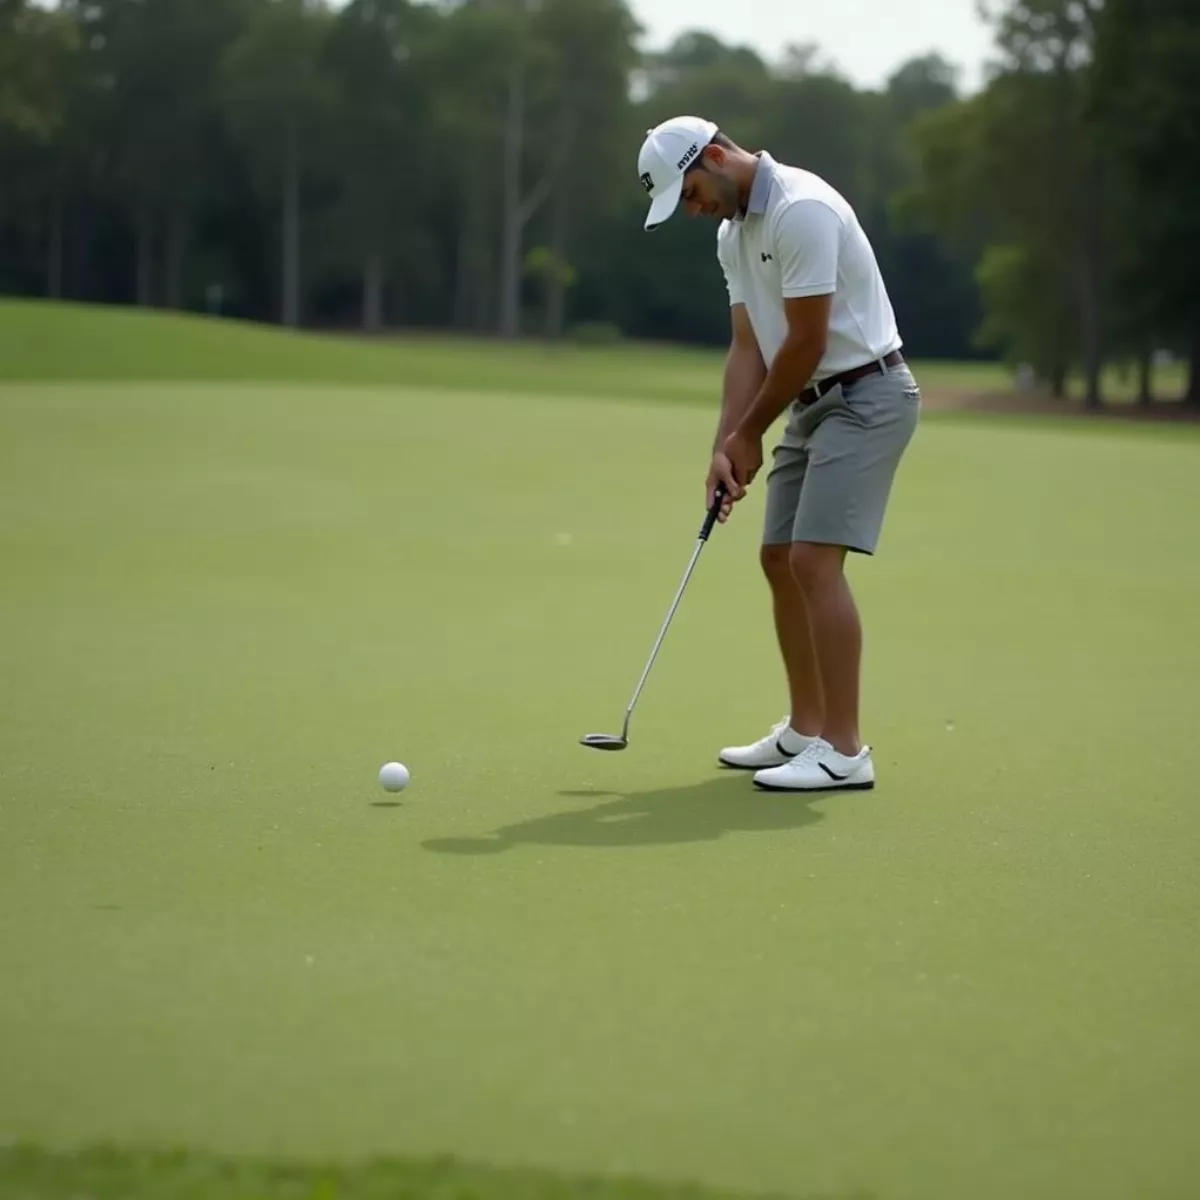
[(693, 150), (646, 181)]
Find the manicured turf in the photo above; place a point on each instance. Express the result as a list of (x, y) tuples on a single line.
[(225, 605), (89, 343), (86, 343), (34, 1174)]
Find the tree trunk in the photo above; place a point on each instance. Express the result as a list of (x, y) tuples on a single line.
[(510, 243), (55, 255), (483, 314), (1058, 381), (1145, 392), (472, 281), (1088, 276), (462, 277), (373, 292), (556, 296), (144, 268), (177, 232), (516, 209), (77, 254), (556, 299), (556, 305), (291, 226), (1092, 397), (1193, 392)]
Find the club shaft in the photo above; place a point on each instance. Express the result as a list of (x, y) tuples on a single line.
[(662, 633)]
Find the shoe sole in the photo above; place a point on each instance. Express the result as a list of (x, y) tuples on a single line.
[(733, 766), (831, 787)]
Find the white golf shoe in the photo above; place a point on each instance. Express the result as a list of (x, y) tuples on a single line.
[(779, 746), (820, 768)]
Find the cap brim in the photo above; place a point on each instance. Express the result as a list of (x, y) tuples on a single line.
[(665, 204)]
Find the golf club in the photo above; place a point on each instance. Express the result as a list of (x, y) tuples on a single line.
[(612, 741)]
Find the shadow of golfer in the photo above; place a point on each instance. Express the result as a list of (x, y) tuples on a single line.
[(697, 812)]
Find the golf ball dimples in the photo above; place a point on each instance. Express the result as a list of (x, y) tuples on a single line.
[(393, 777)]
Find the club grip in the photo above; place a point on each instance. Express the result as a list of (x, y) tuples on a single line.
[(713, 513)]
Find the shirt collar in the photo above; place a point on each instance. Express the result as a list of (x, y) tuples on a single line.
[(760, 187)]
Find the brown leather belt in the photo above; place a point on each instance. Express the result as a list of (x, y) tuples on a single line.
[(813, 394)]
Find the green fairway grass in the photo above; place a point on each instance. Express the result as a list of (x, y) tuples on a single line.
[(225, 604), (36, 1174), (90, 343)]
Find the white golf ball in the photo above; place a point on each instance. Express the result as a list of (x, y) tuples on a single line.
[(393, 777)]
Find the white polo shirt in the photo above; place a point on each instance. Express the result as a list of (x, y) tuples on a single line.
[(800, 237)]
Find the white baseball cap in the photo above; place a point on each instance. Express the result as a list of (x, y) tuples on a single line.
[(668, 150)]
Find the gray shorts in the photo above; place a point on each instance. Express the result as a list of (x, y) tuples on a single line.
[(833, 468)]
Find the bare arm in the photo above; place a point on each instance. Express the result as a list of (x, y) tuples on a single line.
[(805, 236), (745, 373), (792, 368)]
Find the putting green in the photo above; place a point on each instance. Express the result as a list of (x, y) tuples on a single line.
[(225, 606)]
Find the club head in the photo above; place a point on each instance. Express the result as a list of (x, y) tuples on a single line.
[(604, 741)]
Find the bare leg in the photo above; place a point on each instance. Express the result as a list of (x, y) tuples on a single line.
[(836, 635), (795, 642)]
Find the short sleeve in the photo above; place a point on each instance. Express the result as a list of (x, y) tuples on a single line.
[(733, 283), (807, 236)]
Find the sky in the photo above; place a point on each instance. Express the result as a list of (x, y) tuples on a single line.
[(864, 39)]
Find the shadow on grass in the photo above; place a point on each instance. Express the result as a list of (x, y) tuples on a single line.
[(698, 812)]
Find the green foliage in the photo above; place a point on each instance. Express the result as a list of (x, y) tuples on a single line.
[(1011, 278), (544, 263), (1072, 179), (272, 82), (379, 60), (391, 162), (595, 333), (385, 162), (36, 50), (1144, 99)]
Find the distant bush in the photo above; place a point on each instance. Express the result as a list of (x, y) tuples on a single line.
[(595, 333)]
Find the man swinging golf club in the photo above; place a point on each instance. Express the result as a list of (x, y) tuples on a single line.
[(813, 332)]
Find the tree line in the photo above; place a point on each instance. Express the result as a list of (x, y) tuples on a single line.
[(469, 164)]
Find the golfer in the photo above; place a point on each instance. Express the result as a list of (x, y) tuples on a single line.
[(813, 333)]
